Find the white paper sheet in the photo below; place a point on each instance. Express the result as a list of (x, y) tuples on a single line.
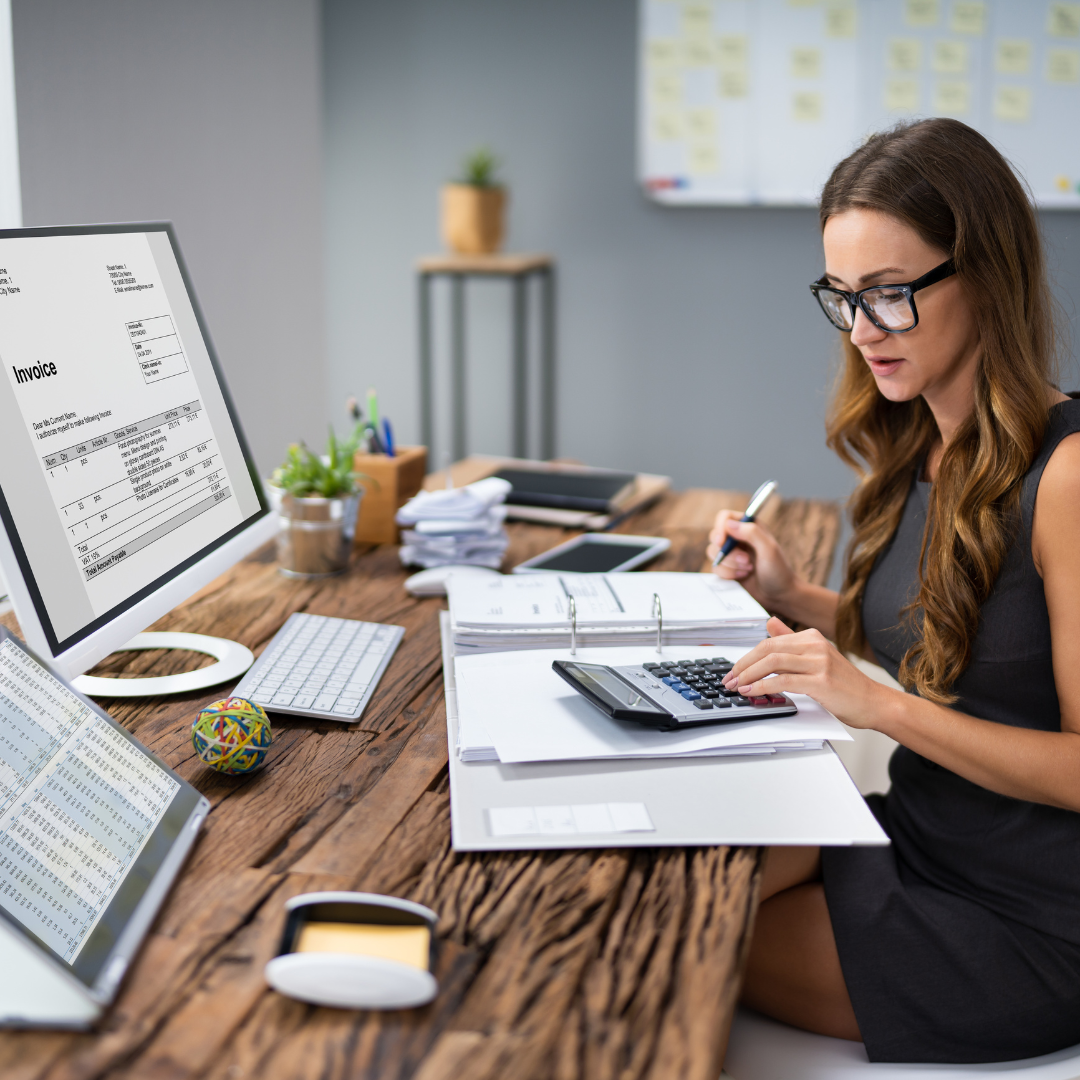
[(530, 714)]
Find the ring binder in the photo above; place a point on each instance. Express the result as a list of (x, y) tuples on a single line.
[(658, 615)]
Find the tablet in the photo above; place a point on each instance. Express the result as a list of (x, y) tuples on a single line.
[(93, 831), (596, 553)]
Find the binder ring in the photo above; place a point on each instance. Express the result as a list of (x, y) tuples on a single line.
[(658, 615), (573, 626)]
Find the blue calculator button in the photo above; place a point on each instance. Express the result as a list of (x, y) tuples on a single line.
[(679, 686), (690, 695), (669, 680)]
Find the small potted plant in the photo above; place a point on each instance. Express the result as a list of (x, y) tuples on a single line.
[(317, 499), (474, 208)]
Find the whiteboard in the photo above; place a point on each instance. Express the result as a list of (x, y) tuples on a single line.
[(10, 194), (755, 101)]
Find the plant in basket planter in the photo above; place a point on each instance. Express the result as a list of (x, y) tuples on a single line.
[(317, 498), (474, 208)]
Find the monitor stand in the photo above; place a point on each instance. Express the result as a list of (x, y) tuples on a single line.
[(233, 659)]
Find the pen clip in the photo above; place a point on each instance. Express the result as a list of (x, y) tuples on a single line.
[(658, 615), (573, 626)]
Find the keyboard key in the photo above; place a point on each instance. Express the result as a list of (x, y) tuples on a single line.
[(777, 699), (282, 699), (303, 701), (703, 703), (710, 694), (691, 695), (740, 701), (347, 703), (722, 703), (341, 710), (324, 702)]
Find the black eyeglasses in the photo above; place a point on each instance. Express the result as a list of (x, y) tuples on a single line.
[(889, 307)]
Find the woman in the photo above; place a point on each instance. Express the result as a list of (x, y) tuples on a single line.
[(960, 942)]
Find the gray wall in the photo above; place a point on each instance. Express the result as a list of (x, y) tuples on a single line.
[(688, 342), (208, 114)]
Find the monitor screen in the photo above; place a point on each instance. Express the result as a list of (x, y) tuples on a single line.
[(121, 462)]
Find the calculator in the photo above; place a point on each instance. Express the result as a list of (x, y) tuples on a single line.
[(671, 695)]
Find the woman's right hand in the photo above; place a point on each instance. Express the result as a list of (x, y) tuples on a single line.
[(756, 561)]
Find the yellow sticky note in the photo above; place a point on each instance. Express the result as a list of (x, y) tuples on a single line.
[(1062, 65), (662, 52), (805, 62), (1012, 103), (968, 17), (697, 20), (806, 107), (840, 20), (666, 87), (1063, 20), (732, 51), (921, 12), (667, 127), (734, 84), (902, 95), (703, 159), (1012, 56), (1062, 183), (701, 124), (407, 944), (699, 53), (904, 54), (950, 57), (952, 98)]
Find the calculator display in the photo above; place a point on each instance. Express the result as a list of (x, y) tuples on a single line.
[(601, 681)]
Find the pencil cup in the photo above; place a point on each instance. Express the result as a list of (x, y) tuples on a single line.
[(356, 951), (388, 483)]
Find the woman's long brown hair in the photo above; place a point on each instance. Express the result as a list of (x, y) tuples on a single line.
[(952, 187)]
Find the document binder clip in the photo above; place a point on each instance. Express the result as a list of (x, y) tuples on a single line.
[(658, 615), (573, 627)]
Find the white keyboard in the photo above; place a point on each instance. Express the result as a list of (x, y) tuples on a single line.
[(320, 666)]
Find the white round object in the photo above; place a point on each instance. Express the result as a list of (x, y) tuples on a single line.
[(233, 659), (347, 981), (433, 582)]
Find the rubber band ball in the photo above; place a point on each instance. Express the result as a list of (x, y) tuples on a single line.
[(232, 735)]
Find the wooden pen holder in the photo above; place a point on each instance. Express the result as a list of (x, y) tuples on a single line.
[(388, 483)]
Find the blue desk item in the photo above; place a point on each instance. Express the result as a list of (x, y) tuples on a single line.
[(388, 437)]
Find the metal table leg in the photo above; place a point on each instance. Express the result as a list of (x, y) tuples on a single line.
[(520, 285), (427, 424), (547, 363), (457, 362)]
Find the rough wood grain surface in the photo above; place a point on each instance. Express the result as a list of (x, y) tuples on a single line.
[(570, 965)]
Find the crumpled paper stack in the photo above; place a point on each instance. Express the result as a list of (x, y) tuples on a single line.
[(456, 527)]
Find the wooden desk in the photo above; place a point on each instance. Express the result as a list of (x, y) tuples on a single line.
[(576, 964)]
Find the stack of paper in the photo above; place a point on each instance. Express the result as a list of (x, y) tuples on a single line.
[(532, 611), (456, 527), (513, 708)]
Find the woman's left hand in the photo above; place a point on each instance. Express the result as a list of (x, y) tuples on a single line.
[(808, 663)]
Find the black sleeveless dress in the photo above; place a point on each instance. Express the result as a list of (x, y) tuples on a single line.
[(961, 941)]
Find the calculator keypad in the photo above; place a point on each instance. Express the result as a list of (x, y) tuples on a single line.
[(693, 692)]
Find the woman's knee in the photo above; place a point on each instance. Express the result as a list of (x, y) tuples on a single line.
[(793, 971), (786, 867)]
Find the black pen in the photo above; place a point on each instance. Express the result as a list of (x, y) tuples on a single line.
[(756, 503)]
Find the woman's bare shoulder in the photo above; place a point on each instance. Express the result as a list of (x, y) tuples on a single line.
[(1057, 505)]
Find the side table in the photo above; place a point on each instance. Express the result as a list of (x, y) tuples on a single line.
[(517, 269)]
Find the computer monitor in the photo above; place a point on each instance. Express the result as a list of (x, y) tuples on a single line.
[(125, 480)]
